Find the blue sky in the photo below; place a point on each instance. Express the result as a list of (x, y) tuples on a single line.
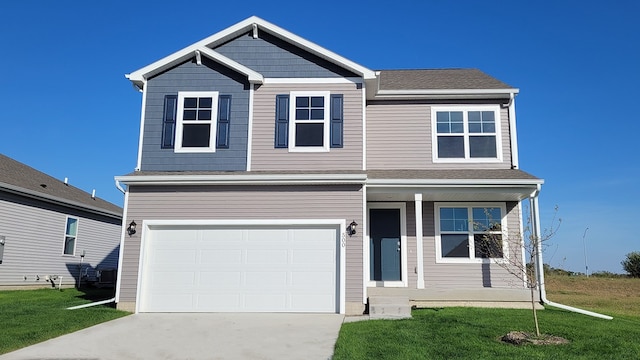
[(69, 111)]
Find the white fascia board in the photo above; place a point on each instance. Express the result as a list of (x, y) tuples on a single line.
[(453, 182), (253, 76), (57, 200), (444, 93), (235, 30), (280, 179)]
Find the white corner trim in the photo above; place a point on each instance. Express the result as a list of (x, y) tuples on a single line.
[(364, 126), (121, 250), (513, 135), (250, 126), (142, 116)]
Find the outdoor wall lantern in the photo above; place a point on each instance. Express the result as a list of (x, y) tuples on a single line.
[(132, 228), (352, 228)]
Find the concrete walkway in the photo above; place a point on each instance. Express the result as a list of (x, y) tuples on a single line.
[(195, 336)]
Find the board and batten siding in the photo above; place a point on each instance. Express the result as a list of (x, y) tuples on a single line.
[(264, 156), (468, 275), (244, 203), (34, 234), (189, 76), (399, 137)]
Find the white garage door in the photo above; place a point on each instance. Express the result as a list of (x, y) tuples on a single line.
[(232, 269)]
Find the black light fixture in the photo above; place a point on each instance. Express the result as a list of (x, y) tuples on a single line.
[(352, 228), (132, 228)]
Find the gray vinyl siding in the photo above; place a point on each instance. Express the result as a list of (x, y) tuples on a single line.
[(275, 58), (244, 203), (399, 137), (190, 77), (265, 157), (467, 275), (34, 234)]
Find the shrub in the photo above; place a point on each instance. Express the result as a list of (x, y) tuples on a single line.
[(632, 264)]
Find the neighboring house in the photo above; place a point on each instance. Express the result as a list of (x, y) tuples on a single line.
[(274, 175), (50, 229)]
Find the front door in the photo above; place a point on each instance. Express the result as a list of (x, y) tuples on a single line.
[(384, 247)]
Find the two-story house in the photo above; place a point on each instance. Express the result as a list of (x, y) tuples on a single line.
[(274, 175)]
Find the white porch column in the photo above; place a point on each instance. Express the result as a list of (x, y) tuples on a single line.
[(419, 249)]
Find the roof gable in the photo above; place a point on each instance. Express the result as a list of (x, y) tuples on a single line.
[(253, 24), (19, 178)]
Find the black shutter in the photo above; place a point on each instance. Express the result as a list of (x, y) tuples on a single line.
[(224, 116), (282, 121), (169, 121), (336, 120)]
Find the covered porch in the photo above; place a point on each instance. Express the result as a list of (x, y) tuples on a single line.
[(417, 246)]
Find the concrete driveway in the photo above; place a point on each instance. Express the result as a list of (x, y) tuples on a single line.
[(196, 336)]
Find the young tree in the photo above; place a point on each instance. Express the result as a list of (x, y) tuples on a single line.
[(632, 264), (521, 266)]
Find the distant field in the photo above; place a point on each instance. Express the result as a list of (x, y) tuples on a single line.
[(611, 296)]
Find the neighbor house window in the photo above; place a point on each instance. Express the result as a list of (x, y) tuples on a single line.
[(466, 133), (469, 232), (70, 236), (196, 121)]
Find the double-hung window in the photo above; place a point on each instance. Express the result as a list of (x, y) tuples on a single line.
[(469, 232), (196, 121), (70, 236), (466, 133), (309, 121)]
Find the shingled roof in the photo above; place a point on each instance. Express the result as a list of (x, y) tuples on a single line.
[(19, 178), (438, 79)]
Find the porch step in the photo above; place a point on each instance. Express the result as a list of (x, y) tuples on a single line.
[(389, 307)]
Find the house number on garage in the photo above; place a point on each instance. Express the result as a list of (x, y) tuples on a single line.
[(343, 242)]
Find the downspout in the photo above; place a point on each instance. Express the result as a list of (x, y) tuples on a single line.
[(535, 220), (92, 304), (512, 129)]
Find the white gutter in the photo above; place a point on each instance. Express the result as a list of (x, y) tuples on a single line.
[(453, 182), (120, 187), (535, 216), (92, 304)]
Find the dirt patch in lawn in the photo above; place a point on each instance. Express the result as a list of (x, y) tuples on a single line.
[(525, 338)]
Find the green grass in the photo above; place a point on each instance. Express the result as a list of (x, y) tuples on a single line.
[(32, 316), (473, 333)]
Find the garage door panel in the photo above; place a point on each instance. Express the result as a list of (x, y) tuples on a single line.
[(308, 257), (267, 257), (222, 256), (220, 280), (234, 269)]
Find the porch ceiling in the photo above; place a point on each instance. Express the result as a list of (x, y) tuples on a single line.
[(451, 193)]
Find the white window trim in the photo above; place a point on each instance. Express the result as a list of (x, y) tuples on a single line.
[(465, 109), (178, 148), (404, 282), (471, 259), (64, 237), (292, 121)]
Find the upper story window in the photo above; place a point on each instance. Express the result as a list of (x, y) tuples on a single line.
[(470, 133), (196, 121), (470, 232), (70, 235), (309, 121)]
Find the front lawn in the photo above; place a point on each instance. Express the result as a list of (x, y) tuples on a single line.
[(473, 333), (32, 316)]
